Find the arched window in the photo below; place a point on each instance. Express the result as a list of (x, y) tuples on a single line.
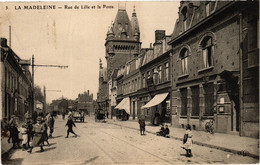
[(184, 60), (207, 51)]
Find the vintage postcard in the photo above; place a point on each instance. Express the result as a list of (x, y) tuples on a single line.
[(135, 82)]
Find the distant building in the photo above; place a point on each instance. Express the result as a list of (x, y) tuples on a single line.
[(85, 103)]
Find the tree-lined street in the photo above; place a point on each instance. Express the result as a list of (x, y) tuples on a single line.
[(104, 143)]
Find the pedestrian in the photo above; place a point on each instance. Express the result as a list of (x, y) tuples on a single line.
[(142, 125), (34, 117), (70, 124), (166, 131), (161, 131), (10, 126), (4, 128), (29, 130), (38, 130), (187, 141), (107, 114), (63, 115), (45, 132), (24, 132), (51, 125), (15, 135)]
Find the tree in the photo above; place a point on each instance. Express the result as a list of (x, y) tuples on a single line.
[(38, 94)]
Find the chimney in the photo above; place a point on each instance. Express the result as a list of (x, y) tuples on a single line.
[(159, 35), (3, 42), (88, 92), (151, 45)]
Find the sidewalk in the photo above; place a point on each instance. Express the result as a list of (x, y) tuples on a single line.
[(231, 143), (5, 146)]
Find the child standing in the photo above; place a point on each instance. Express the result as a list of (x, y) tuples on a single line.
[(24, 132), (187, 141)]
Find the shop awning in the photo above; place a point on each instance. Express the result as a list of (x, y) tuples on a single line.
[(157, 99), (124, 104)]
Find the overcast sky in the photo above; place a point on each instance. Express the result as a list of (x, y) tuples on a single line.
[(75, 37)]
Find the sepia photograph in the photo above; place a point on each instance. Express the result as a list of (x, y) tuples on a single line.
[(129, 82)]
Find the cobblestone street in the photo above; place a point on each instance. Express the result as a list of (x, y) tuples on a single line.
[(103, 143)]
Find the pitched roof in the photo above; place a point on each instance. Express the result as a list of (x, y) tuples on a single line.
[(122, 24), (196, 13)]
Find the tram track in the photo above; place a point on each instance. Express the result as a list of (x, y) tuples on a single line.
[(162, 160)]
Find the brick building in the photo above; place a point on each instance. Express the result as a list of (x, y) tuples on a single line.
[(209, 41)]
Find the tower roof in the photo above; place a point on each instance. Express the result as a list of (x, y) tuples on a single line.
[(134, 23), (121, 23)]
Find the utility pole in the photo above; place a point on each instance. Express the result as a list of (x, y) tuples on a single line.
[(33, 65), (32, 85)]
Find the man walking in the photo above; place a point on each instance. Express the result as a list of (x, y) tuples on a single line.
[(51, 125), (70, 124)]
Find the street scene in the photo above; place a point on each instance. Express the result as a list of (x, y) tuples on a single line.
[(106, 143), (172, 82)]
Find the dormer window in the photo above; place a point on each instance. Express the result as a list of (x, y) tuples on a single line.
[(184, 15)]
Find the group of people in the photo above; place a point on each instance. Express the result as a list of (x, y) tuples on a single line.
[(165, 132), (32, 133)]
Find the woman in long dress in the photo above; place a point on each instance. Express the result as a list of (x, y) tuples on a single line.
[(38, 130)]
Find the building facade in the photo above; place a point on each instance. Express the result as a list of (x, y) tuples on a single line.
[(16, 83), (155, 92), (208, 70)]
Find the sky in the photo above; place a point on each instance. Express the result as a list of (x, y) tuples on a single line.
[(75, 37)]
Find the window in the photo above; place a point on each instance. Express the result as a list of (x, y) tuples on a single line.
[(184, 15), (159, 74), (166, 73), (148, 74), (155, 76), (195, 100), (184, 61), (253, 49), (9, 80), (209, 99), (183, 101), (207, 49), (6, 84), (143, 81)]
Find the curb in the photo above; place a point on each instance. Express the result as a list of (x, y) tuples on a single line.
[(242, 152)]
